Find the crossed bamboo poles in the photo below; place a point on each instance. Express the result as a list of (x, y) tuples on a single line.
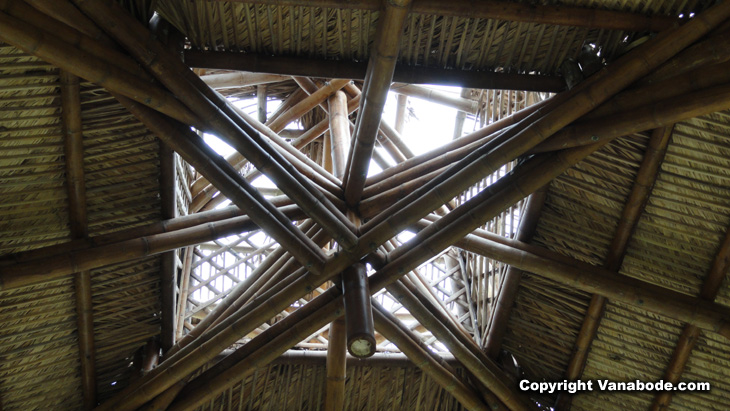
[(184, 100)]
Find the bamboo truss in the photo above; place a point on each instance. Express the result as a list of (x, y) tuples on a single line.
[(561, 130)]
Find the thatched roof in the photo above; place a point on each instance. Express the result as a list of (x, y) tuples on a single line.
[(647, 211)]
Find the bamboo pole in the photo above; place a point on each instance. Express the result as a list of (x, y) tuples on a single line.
[(463, 349), (380, 73), (45, 269), (464, 394), (183, 296), (578, 101), (309, 102), (436, 96), (498, 10), (261, 102), (400, 112), (510, 285), (649, 117), (217, 113), (76, 187), (358, 312), (241, 79), (334, 399), (309, 67), (168, 260), (207, 162)]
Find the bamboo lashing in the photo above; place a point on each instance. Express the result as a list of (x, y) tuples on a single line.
[(377, 81), (76, 187)]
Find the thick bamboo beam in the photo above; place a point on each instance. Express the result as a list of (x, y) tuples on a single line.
[(377, 82), (500, 10), (241, 79), (182, 305), (168, 261), (298, 66), (513, 276), (44, 269), (76, 187), (436, 96), (334, 399), (218, 114), (400, 113), (309, 102), (261, 103), (464, 394), (358, 311)]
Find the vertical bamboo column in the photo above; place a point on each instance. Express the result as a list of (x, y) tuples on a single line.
[(76, 186), (400, 113), (383, 57), (168, 260), (261, 102), (358, 311), (182, 302), (334, 399)]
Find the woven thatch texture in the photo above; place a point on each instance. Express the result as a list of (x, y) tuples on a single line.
[(33, 207), (709, 362), (120, 163), (578, 219), (126, 303), (630, 344), (302, 387), (39, 355), (435, 41), (688, 213)]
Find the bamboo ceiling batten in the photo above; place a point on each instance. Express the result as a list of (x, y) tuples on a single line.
[(126, 283)]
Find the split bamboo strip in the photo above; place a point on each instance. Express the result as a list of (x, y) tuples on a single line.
[(207, 162), (309, 67), (436, 96), (168, 261), (499, 10), (464, 394), (377, 82), (334, 399), (76, 187), (241, 79), (217, 113)]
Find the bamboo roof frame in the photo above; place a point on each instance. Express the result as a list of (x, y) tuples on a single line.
[(444, 232)]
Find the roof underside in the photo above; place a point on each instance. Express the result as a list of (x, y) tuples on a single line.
[(674, 243)]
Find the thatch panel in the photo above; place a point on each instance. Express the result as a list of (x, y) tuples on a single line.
[(302, 387), (126, 315), (39, 347), (710, 361), (120, 163), (630, 345), (543, 326), (687, 215), (32, 186)]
